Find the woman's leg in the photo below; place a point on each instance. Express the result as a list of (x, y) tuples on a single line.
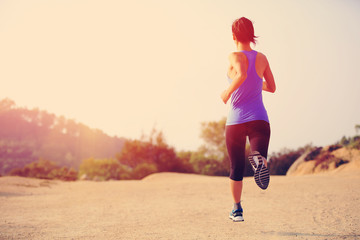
[(236, 190), (235, 143), (259, 137)]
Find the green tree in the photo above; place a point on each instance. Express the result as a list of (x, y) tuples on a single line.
[(344, 141), (206, 164), (211, 158), (184, 161), (104, 169), (153, 150), (213, 133)]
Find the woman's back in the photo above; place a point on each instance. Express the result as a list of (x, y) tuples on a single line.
[(246, 100), (261, 63)]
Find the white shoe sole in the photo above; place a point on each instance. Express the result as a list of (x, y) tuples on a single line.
[(261, 173), (237, 218)]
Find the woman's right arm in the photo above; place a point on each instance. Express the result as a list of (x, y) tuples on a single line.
[(269, 83), (237, 61)]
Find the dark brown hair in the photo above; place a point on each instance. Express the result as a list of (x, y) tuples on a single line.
[(243, 30)]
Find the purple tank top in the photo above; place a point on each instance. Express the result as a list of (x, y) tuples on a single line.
[(246, 101)]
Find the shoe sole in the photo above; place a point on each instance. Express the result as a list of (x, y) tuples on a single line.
[(252, 161), (261, 173), (237, 219)]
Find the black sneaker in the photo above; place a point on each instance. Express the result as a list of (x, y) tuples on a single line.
[(236, 215), (261, 173)]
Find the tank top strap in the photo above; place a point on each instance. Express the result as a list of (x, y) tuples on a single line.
[(251, 56)]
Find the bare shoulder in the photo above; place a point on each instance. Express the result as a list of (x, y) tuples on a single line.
[(237, 57), (262, 58), (261, 64)]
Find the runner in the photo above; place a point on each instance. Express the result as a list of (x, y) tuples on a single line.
[(247, 116)]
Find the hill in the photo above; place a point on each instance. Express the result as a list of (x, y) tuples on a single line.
[(28, 135), (334, 159)]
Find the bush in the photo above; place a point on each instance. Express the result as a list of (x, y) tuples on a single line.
[(104, 169), (64, 174), (355, 142), (208, 165), (154, 152), (313, 154), (280, 162), (144, 169), (351, 142), (45, 169)]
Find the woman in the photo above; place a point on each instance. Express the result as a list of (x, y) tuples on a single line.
[(247, 116)]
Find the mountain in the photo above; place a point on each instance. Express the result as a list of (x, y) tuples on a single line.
[(29, 135)]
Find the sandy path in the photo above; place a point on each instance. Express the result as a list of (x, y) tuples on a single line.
[(180, 206)]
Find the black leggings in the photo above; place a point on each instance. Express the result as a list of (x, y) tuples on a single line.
[(259, 136)]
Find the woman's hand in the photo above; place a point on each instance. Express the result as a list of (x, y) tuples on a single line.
[(225, 96)]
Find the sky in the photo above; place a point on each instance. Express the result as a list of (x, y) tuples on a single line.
[(126, 67)]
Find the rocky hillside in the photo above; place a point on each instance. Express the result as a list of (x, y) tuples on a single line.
[(334, 158)]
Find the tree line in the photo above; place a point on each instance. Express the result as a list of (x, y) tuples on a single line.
[(29, 135), (34, 143)]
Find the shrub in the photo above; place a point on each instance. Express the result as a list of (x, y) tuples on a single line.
[(280, 162), (45, 169), (143, 169), (351, 142), (313, 154), (103, 169)]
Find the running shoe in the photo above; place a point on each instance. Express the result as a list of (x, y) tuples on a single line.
[(236, 215), (261, 173)]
